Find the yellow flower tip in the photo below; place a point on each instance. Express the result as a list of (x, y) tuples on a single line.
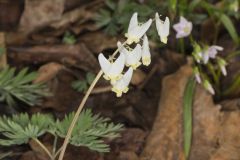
[(117, 91), (131, 39), (115, 78), (106, 77), (164, 40), (136, 65), (125, 90), (146, 61)]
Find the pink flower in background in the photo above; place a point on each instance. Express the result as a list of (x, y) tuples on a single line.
[(183, 28), (211, 52)]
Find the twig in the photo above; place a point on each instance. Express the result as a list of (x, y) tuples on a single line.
[(101, 90)]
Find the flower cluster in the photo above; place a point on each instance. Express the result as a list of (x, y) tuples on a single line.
[(202, 55), (131, 57)]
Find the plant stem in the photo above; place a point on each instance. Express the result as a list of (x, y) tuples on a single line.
[(75, 118), (181, 43), (54, 145), (44, 148)]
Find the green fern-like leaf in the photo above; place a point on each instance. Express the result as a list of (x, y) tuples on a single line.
[(18, 86), (89, 130), (18, 129)]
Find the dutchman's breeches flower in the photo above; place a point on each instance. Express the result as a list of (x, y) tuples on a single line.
[(132, 56), (135, 30), (121, 86), (112, 70), (146, 56), (183, 28), (163, 28)]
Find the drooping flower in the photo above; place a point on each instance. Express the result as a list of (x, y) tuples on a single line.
[(112, 70), (121, 86), (136, 30), (146, 56), (183, 28), (197, 74), (208, 86), (132, 56), (211, 52), (163, 28), (222, 64), (197, 52)]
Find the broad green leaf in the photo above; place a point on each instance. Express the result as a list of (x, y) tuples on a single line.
[(227, 22), (187, 114)]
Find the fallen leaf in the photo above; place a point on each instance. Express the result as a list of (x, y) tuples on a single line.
[(48, 72), (166, 138), (98, 41), (74, 55), (38, 14), (138, 77), (164, 141)]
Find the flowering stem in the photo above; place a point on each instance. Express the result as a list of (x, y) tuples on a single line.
[(44, 148), (75, 118), (181, 43)]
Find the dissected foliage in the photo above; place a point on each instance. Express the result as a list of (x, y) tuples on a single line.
[(82, 85), (18, 129), (115, 17), (20, 87), (89, 130)]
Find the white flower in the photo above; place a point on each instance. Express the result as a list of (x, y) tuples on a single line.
[(222, 64), (162, 28), (197, 74), (146, 56), (183, 28), (132, 56), (211, 52), (208, 86), (112, 70), (135, 30), (121, 86)]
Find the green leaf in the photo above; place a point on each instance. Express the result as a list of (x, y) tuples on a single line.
[(19, 86), (90, 77), (2, 50), (69, 38), (187, 115), (89, 130), (111, 4), (227, 22), (19, 128), (80, 86)]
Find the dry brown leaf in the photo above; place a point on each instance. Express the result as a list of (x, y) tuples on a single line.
[(138, 77), (98, 41), (74, 55), (166, 139), (31, 155), (229, 140), (48, 72), (81, 14), (38, 14)]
